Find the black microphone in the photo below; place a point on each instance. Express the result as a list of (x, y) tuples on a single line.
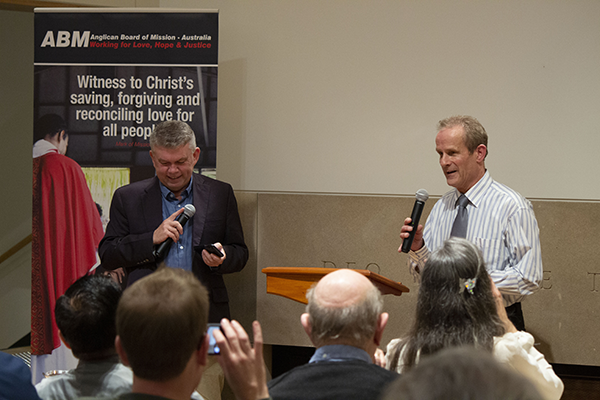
[(162, 250), (422, 197)]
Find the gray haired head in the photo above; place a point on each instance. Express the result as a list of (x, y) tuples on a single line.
[(172, 135)]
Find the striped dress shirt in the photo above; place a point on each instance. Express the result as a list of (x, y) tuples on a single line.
[(502, 224)]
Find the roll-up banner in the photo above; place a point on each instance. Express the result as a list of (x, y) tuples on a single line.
[(103, 78)]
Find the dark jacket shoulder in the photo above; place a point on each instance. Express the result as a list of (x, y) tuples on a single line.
[(352, 379)]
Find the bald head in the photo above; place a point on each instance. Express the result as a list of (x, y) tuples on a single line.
[(343, 308), (342, 288)]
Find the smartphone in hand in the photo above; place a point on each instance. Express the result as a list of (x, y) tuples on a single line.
[(212, 249)]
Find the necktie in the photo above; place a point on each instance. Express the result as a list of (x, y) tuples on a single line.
[(459, 228)]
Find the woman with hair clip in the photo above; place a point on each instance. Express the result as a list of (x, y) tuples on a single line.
[(457, 305)]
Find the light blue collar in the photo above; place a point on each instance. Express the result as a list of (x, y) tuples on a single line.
[(340, 352)]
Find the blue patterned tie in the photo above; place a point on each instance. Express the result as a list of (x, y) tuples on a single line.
[(459, 228)]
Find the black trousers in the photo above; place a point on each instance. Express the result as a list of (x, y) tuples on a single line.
[(515, 314)]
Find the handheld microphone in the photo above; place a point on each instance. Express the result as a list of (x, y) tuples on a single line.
[(162, 250), (421, 198)]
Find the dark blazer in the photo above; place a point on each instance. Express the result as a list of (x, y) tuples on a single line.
[(136, 211), (15, 379), (332, 380)]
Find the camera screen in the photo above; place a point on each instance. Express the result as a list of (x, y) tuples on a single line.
[(212, 343)]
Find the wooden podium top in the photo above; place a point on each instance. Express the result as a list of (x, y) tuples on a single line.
[(293, 282)]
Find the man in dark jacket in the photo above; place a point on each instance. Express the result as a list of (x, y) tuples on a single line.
[(344, 320)]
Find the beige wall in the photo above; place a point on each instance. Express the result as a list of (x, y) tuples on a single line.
[(343, 96), (16, 110)]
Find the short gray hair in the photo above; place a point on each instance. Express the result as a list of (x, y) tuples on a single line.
[(355, 325), (172, 134), (475, 133)]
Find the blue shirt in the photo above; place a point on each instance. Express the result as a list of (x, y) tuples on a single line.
[(340, 352), (181, 253), (502, 224)]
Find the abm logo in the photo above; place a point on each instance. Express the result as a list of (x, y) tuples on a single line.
[(65, 39)]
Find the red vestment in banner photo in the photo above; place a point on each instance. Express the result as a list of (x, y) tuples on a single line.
[(65, 235)]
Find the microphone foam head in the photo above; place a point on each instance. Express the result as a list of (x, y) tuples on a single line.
[(189, 210), (422, 195)]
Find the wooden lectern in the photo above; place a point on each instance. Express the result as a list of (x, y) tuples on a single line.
[(293, 282)]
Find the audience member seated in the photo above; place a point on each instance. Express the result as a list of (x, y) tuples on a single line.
[(458, 304), (161, 335), (344, 321), (15, 379), (85, 316), (461, 373)]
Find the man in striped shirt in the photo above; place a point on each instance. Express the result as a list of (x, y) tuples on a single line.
[(501, 222)]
